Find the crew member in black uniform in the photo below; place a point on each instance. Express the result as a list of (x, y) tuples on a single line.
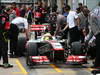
[(4, 30)]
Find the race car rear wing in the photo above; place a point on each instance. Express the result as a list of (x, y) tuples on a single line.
[(39, 27), (37, 30)]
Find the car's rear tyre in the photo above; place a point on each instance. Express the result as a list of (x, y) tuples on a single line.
[(77, 48), (21, 45)]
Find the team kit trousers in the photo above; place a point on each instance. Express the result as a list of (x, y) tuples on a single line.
[(97, 59), (4, 51)]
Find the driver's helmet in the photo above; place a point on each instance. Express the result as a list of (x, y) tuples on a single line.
[(47, 36)]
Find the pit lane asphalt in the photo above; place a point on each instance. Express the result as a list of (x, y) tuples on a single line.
[(20, 68)]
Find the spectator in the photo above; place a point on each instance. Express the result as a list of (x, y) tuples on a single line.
[(16, 9), (52, 21), (38, 17), (80, 6), (63, 8), (30, 15), (12, 15), (23, 10), (65, 13), (54, 8)]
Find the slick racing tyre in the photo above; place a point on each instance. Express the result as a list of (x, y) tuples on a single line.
[(32, 50), (76, 48), (21, 45)]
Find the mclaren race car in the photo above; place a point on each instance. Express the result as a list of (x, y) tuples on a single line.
[(44, 48)]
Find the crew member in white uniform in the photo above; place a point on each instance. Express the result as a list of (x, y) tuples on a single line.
[(72, 24), (16, 24)]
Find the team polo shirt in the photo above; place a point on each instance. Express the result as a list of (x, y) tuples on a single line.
[(71, 19), (19, 21)]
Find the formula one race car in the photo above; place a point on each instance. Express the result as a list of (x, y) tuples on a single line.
[(43, 49)]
